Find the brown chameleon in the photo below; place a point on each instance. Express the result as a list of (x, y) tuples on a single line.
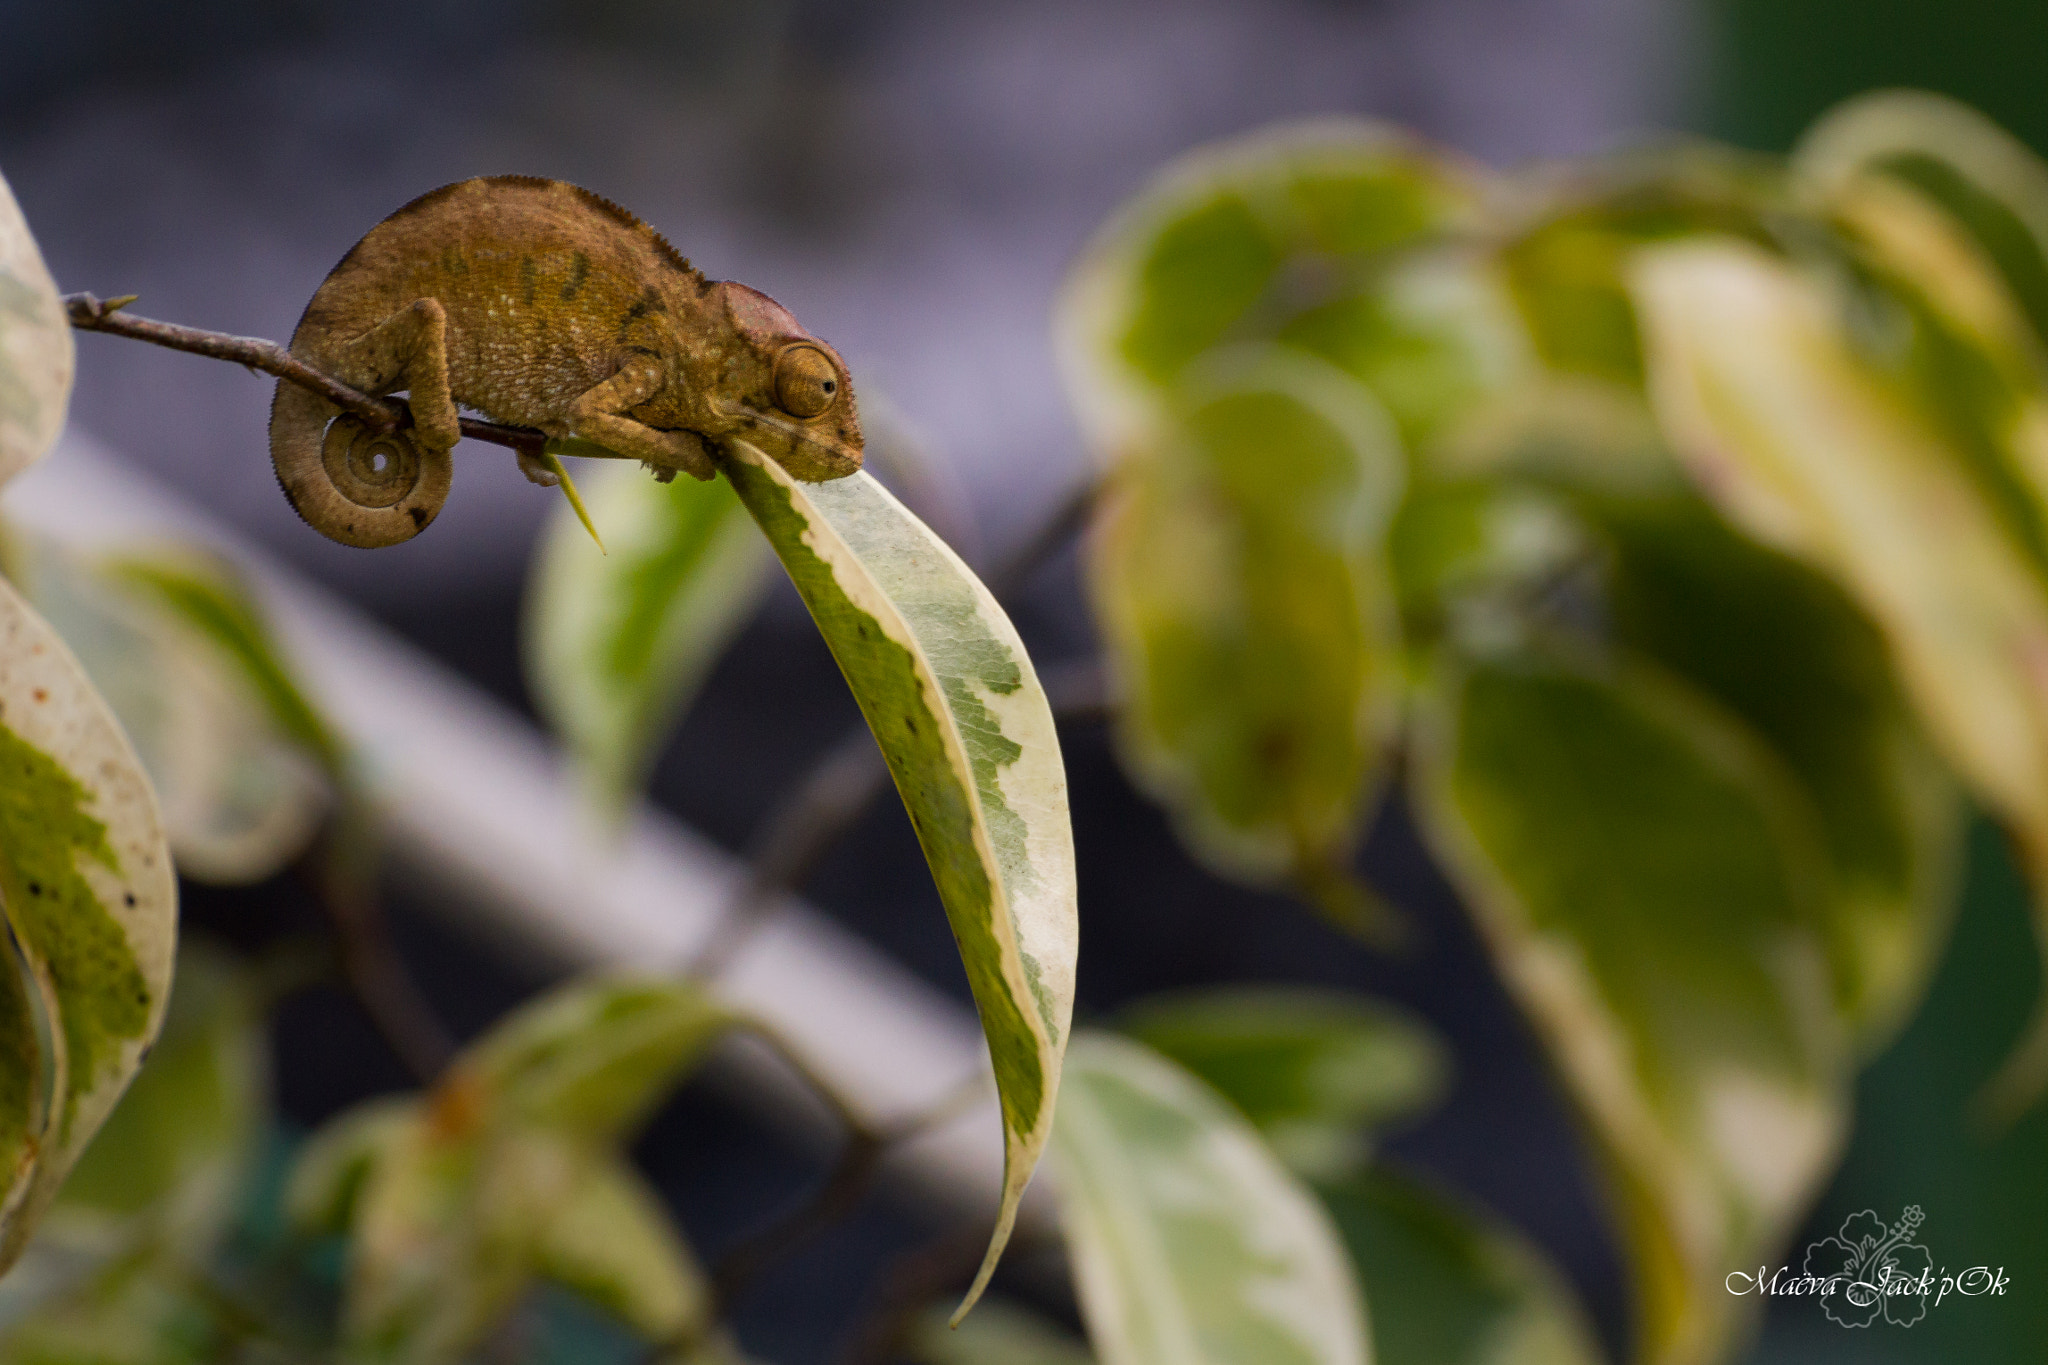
[(540, 304)]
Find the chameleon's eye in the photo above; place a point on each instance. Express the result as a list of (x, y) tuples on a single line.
[(806, 384)]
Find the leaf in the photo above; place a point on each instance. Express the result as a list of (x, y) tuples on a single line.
[(1312, 1069), (1807, 448), (1232, 241), (1991, 182), (163, 1178), (591, 1058), (956, 707), (1786, 650), (1238, 570), (999, 1334), (238, 798), (1652, 899), (611, 1241), (617, 644), (510, 1169), (1450, 1286), (175, 1151), (1191, 1245), (85, 879), (208, 594), (35, 346)]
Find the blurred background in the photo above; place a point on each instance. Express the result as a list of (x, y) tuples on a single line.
[(912, 179)]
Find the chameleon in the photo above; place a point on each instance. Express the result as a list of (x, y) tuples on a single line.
[(540, 304)]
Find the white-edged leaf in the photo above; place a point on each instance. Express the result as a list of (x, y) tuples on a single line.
[(86, 881), (618, 641), (1805, 447), (35, 346), (1651, 890), (238, 798), (1191, 1244), (956, 707), (612, 1241)]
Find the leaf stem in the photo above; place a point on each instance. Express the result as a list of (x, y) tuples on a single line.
[(91, 314)]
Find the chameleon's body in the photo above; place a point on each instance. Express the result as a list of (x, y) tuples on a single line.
[(539, 304)]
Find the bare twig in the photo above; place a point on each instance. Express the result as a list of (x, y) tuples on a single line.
[(340, 870), (912, 1281), (90, 314)]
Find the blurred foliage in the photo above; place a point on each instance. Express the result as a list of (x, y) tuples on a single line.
[(1671, 530)]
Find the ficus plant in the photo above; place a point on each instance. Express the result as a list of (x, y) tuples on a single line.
[(1669, 530)]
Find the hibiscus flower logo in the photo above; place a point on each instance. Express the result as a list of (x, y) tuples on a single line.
[(1873, 1270)]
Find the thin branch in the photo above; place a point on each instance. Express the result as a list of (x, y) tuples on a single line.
[(340, 870), (90, 314)]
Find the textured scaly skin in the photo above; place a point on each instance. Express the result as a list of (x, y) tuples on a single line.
[(539, 304)]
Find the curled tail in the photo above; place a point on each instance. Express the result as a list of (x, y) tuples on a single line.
[(349, 483)]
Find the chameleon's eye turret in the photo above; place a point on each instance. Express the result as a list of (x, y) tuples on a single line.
[(806, 382)]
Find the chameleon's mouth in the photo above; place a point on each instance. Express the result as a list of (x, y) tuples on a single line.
[(813, 457)]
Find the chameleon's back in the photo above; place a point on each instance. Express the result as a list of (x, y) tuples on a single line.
[(538, 279)]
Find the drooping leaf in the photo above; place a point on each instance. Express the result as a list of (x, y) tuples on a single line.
[(617, 642), (1652, 897), (1993, 184), (998, 1333), (35, 346), (1314, 1070), (238, 796), (1807, 447), (85, 879), (956, 707), (1450, 1286), (1191, 1244), (1238, 570)]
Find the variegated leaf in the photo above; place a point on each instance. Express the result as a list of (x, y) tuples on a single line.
[(86, 882), (35, 346), (956, 707), (1191, 1244)]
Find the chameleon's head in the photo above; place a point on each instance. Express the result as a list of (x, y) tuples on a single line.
[(786, 391)]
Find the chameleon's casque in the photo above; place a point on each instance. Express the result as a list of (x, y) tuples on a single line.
[(540, 304)]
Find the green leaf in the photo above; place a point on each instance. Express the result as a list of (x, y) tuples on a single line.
[(238, 797), (172, 1156), (956, 707), (591, 1058), (611, 1240), (208, 595), (999, 1334), (617, 643), (1810, 448), (1786, 650), (1990, 181), (85, 879), (1235, 241), (1191, 1244), (1314, 1070), (1450, 1286), (509, 1170), (1652, 897), (35, 346), (1238, 570)]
